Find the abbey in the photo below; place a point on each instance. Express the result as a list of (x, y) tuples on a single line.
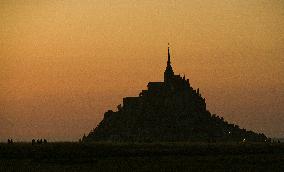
[(167, 111), (165, 92)]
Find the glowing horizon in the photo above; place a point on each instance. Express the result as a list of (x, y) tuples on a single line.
[(63, 64)]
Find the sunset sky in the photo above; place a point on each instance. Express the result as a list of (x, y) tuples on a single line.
[(64, 63)]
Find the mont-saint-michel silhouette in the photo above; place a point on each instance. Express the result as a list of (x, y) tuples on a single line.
[(168, 111)]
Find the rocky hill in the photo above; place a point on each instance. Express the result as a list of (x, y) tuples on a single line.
[(169, 111)]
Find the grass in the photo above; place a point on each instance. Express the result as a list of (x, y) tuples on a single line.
[(141, 157)]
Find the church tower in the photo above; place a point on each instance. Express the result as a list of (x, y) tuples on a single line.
[(169, 73)]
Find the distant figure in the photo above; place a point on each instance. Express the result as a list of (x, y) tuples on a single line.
[(33, 141), (10, 141), (278, 141), (44, 141)]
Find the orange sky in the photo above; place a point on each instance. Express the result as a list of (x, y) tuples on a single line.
[(64, 63)]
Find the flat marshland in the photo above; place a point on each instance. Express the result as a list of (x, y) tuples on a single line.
[(67, 156)]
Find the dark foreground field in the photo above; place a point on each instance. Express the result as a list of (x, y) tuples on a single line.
[(141, 157)]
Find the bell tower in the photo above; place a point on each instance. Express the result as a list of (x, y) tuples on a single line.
[(169, 73)]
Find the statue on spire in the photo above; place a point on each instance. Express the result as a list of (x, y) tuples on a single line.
[(169, 73), (169, 55)]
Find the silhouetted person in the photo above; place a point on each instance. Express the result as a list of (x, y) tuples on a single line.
[(44, 141), (33, 141), (10, 141), (278, 141)]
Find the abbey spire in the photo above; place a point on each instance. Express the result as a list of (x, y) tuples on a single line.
[(169, 56), (169, 73)]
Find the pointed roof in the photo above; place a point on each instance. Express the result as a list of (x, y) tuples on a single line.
[(169, 73), (169, 55)]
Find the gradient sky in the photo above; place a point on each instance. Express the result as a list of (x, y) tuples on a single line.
[(64, 63)]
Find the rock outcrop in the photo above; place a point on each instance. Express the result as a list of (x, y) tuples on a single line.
[(169, 111)]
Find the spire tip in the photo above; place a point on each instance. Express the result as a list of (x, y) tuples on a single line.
[(169, 56)]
